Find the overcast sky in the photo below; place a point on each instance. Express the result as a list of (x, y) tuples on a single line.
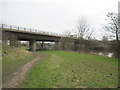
[(56, 15)]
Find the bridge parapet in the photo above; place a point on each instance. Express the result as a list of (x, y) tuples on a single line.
[(29, 30), (23, 29)]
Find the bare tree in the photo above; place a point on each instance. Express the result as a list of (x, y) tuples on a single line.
[(112, 28), (83, 32), (11, 37), (67, 41), (67, 33), (83, 29)]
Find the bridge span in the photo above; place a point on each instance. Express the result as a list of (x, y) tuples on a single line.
[(14, 33)]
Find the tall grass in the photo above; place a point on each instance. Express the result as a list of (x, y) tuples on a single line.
[(12, 61)]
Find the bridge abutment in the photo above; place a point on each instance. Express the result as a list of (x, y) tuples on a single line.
[(32, 45)]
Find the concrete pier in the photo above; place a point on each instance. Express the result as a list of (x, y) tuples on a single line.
[(42, 45), (32, 45), (12, 43), (56, 45)]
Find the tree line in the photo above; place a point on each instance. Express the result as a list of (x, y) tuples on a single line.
[(85, 43)]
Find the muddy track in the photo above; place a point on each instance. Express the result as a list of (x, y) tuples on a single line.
[(20, 76)]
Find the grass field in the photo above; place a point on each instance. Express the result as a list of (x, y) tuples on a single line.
[(73, 70), (12, 61)]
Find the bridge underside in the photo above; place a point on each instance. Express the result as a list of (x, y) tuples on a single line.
[(14, 35)]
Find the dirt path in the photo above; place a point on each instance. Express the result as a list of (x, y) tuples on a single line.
[(13, 83)]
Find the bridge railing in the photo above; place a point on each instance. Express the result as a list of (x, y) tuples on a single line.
[(29, 29)]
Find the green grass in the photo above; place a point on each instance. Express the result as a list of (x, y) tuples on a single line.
[(73, 70), (12, 61)]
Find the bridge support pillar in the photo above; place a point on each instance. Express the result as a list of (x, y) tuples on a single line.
[(56, 45), (32, 45), (13, 43), (42, 45)]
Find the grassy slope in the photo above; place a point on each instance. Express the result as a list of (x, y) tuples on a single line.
[(13, 59), (68, 69)]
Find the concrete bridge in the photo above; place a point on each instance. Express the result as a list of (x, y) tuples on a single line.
[(14, 33)]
